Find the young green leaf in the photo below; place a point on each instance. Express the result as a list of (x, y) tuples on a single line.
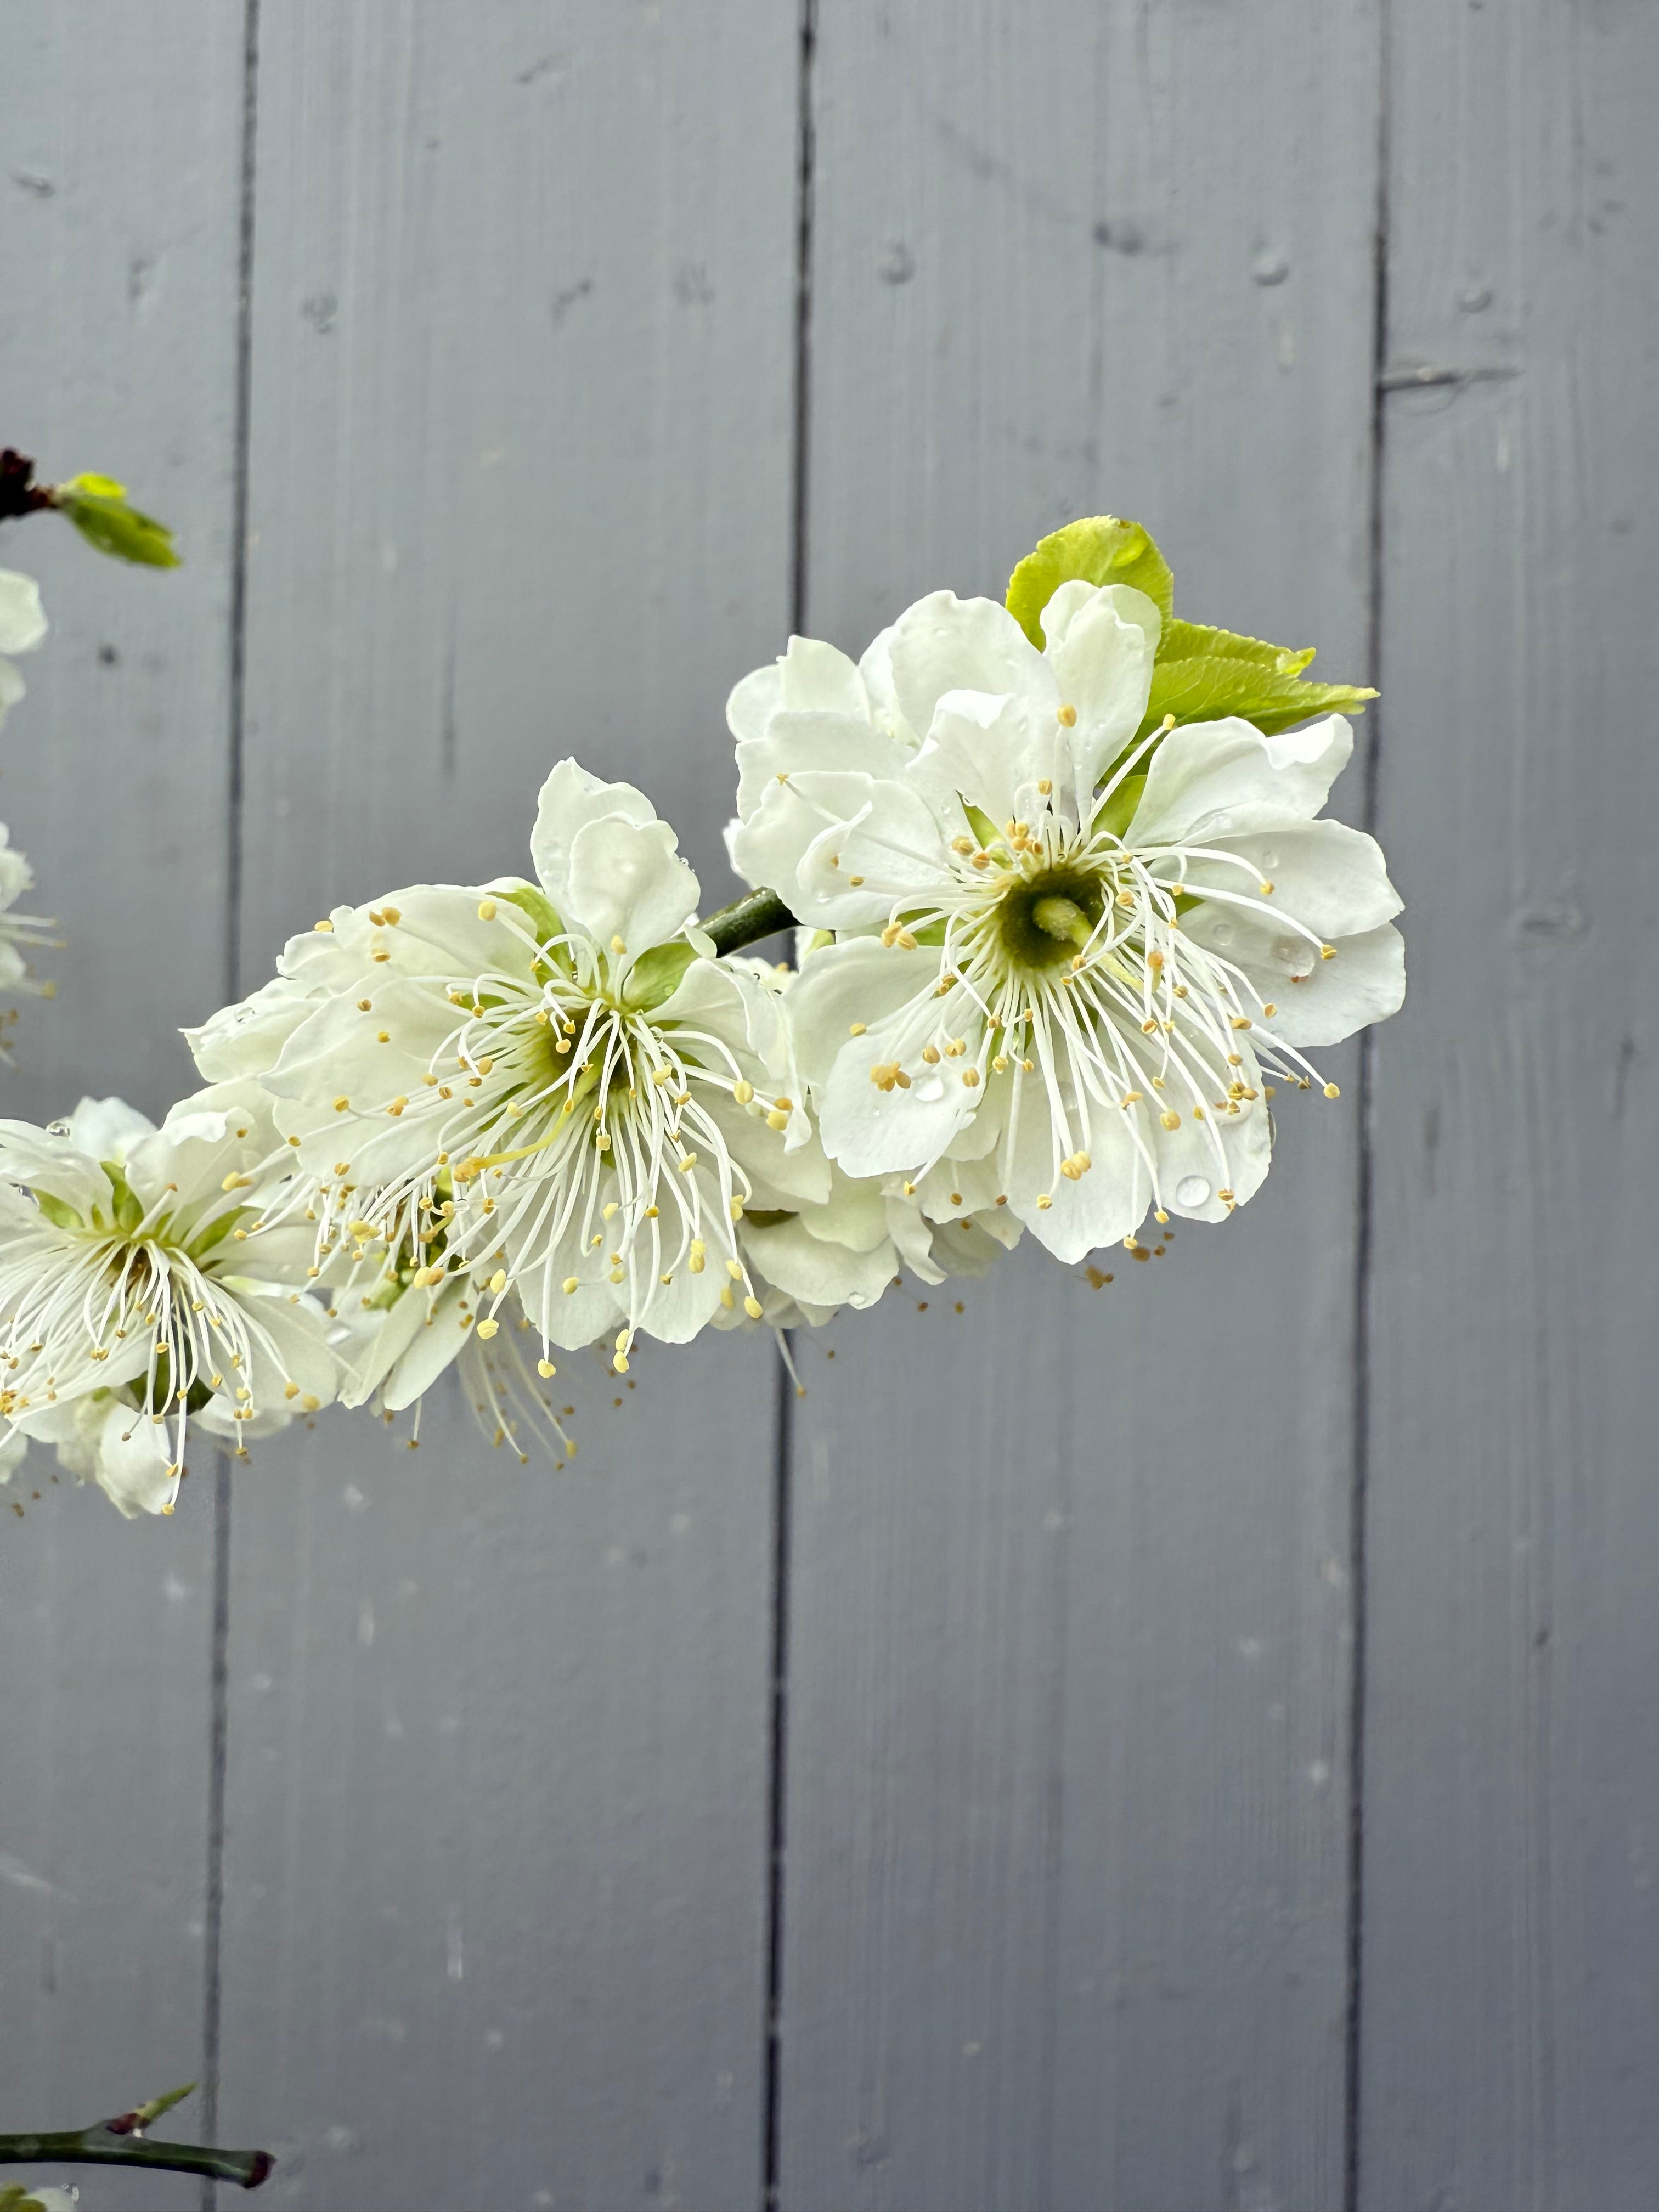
[(99, 508), (1101, 550), (1202, 674)]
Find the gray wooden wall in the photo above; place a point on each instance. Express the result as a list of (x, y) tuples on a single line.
[(1214, 1763)]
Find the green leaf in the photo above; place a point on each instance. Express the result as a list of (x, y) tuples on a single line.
[(1101, 550), (99, 508), (1203, 674)]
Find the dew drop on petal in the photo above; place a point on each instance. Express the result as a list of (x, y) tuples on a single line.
[(1286, 948), (57, 1128), (1222, 932), (1269, 858), (1192, 1190), (934, 1088)]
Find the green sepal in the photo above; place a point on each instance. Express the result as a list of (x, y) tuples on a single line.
[(655, 976), (1202, 675), (1119, 811), (99, 508), (539, 908), (127, 1209), (58, 1211), (1102, 548), (13, 2198)]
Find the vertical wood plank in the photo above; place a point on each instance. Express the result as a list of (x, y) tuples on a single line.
[(117, 321), (495, 1863), (1066, 1915), (1512, 1768)]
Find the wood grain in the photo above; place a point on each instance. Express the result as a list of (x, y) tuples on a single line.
[(117, 324), (1066, 1916), (1512, 1763), (495, 1882)]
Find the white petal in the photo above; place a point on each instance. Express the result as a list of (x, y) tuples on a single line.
[(872, 1131), (947, 644), (1101, 645), (22, 618), (895, 846), (1100, 1206), (860, 980), (823, 1273), (244, 1039), (992, 753), (1210, 779), (570, 798), (1333, 879), (627, 880), (105, 1128), (818, 740), (754, 701), (1318, 1002), (133, 1460), (12, 688)]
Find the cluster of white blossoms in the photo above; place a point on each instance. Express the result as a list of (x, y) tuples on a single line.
[(1067, 919)]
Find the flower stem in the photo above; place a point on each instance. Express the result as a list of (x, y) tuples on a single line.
[(746, 921), (122, 2141)]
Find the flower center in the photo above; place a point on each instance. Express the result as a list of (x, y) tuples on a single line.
[(1043, 918)]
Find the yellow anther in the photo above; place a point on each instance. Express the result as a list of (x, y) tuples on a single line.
[(1067, 718), (397, 1107), (498, 1281), (930, 1053), (962, 845), (486, 909), (855, 1028), (688, 1164), (546, 1368), (1044, 1203), (734, 1268), (727, 1298), (752, 1307), (1270, 1009), (341, 1105), (488, 1328), (855, 881), (981, 860), (1331, 1090), (776, 1120), (1327, 952), (617, 947), (290, 1389), (571, 1285), (1044, 786), (971, 1077), (1170, 1121), (325, 926), (743, 1092), (312, 1404)]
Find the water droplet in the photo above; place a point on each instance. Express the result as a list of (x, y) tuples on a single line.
[(1192, 1190), (1270, 267), (1286, 948), (1269, 857), (1221, 932), (931, 1089), (57, 1128)]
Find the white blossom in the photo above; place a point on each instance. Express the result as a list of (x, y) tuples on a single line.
[(134, 1298), (1067, 958), (23, 626), (547, 1087)]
